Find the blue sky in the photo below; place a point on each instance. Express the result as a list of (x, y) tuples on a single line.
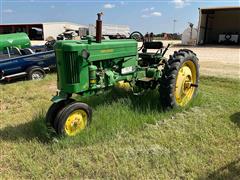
[(145, 16)]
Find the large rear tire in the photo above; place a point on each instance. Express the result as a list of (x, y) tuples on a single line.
[(180, 79)]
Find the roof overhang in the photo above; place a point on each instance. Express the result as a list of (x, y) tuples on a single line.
[(211, 10), (41, 24)]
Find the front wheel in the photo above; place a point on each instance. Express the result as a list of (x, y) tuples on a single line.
[(72, 119), (180, 79), (54, 109)]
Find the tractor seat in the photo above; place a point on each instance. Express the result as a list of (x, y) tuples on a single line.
[(150, 45), (147, 55), (153, 45)]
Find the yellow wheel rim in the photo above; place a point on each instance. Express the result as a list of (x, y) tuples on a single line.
[(186, 76), (76, 122)]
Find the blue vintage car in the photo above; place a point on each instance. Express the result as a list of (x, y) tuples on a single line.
[(23, 61)]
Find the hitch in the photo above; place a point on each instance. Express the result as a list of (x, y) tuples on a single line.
[(194, 85)]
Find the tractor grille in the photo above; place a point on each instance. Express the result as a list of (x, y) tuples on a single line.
[(71, 63)]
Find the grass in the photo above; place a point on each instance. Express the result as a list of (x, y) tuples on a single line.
[(129, 138)]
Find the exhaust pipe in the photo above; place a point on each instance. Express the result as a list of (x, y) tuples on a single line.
[(99, 28)]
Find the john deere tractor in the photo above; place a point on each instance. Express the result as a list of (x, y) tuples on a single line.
[(89, 67)]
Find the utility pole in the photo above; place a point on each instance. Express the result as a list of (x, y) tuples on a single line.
[(174, 24)]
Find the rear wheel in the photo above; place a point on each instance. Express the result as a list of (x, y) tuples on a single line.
[(36, 74), (180, 79), (72, 119), (138, 37)]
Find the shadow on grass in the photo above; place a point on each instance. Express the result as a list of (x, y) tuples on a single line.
[(101, 129), (149, 101), (235, 118), (230, 171), (34, 129)]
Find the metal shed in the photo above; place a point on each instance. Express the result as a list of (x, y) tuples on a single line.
[(219, 25)]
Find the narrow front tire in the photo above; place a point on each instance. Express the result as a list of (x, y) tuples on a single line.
[(73, 119), (53, 111)]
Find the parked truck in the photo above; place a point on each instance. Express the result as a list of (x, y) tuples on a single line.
[(19, 59)]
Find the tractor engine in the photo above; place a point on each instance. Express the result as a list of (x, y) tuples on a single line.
[(88, 65)]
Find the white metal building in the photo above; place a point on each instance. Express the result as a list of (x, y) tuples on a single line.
[(218, 25), (111, 30), (40, 31), (55, 28)]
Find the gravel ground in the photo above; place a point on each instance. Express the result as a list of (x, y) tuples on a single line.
[(217, 61), (222, 61)]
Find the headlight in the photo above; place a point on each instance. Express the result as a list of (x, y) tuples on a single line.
[(85, 54)]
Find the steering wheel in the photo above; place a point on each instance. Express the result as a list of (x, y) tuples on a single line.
[(138, 37)]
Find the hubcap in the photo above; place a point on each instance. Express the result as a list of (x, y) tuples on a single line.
[(185, 78), (75, 122), (36, 76)]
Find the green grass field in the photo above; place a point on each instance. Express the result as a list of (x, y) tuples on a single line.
[(129, 138)]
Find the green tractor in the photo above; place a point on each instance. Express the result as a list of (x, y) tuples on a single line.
[(89, 67)]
